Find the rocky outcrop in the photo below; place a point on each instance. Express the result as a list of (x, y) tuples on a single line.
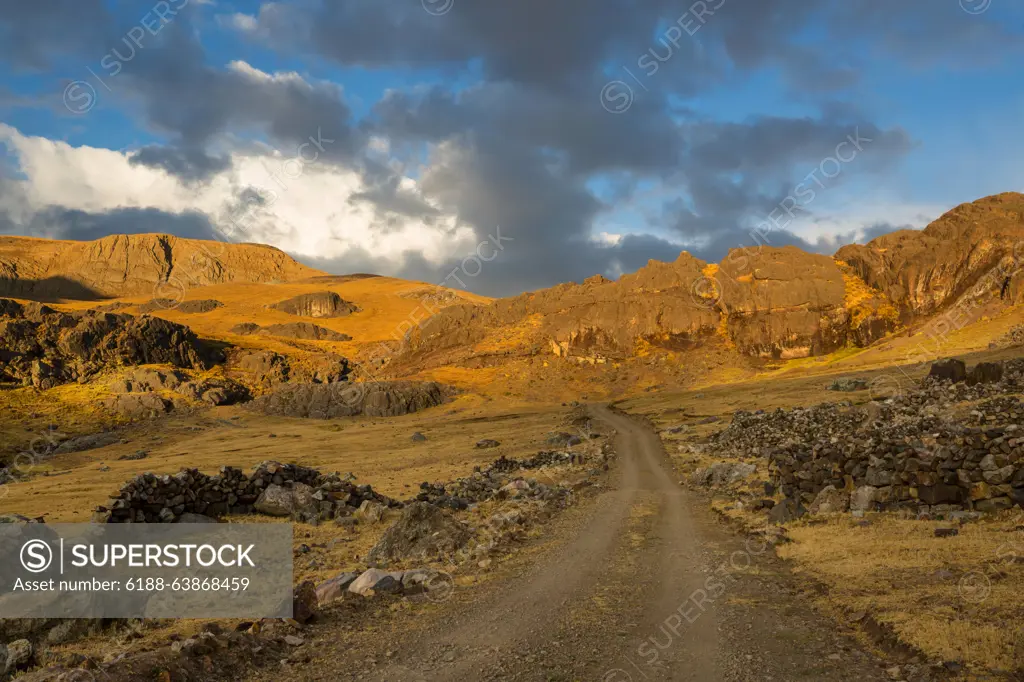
[(158, 305), (265, 369), (373, 399), (305, 331), (213, 391), (770, 302), (317, 304), (135, 265), (975, 245), (42, 347)]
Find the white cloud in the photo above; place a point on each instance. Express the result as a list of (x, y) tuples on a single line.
[(306, 210)]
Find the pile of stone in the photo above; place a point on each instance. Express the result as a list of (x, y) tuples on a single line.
[(848, 385), (908, 451), (1014, 337), (301, 493), (496, 481)]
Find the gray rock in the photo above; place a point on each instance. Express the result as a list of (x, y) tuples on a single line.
[(422, 532), (830, 501), (335, 588), (370, 512), (993, 505), (785, 511), (863, 499), (374, 581), (19, 655)]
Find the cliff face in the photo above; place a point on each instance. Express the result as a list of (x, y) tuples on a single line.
[(769, 302), (133, 265), (974, 245)]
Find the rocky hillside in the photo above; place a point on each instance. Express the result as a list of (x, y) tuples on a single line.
[(779, 303), (774, 302), (132, 265), (43, 347), (976, 244)]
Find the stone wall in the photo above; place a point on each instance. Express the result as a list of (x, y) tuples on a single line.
[(939, 445), (274, 488)]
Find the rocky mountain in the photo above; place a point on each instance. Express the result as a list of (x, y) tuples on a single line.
[(132, 265), (761, 302), (978, 244), (769, 302)]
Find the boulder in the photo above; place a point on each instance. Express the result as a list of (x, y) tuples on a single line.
[(830, 501), (304, 601), (374, 581), (19, 655), (863, 499), (422, 532), (280, 500), (487, 443), (138, 405), (994, 504), (335, 588), (317, 304), (949, 370), (985, 373), (785, 511), (332, 400), (371, 512)]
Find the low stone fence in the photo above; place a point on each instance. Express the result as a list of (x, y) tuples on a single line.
[(272, 488), (973, 467)]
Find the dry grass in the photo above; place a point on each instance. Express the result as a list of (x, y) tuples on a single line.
[(957, 599), (377, 451)]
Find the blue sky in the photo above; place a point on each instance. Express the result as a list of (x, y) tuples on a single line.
[(446, 119)]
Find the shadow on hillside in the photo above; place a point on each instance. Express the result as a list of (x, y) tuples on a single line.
[(49, 290)]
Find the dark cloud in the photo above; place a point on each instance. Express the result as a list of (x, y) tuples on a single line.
[(61, 223), (188, 164), (525, 141)]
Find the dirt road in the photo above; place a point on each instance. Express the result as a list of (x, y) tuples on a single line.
[(642, 584)]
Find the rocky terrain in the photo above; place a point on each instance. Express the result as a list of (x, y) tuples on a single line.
[(42, 347)]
